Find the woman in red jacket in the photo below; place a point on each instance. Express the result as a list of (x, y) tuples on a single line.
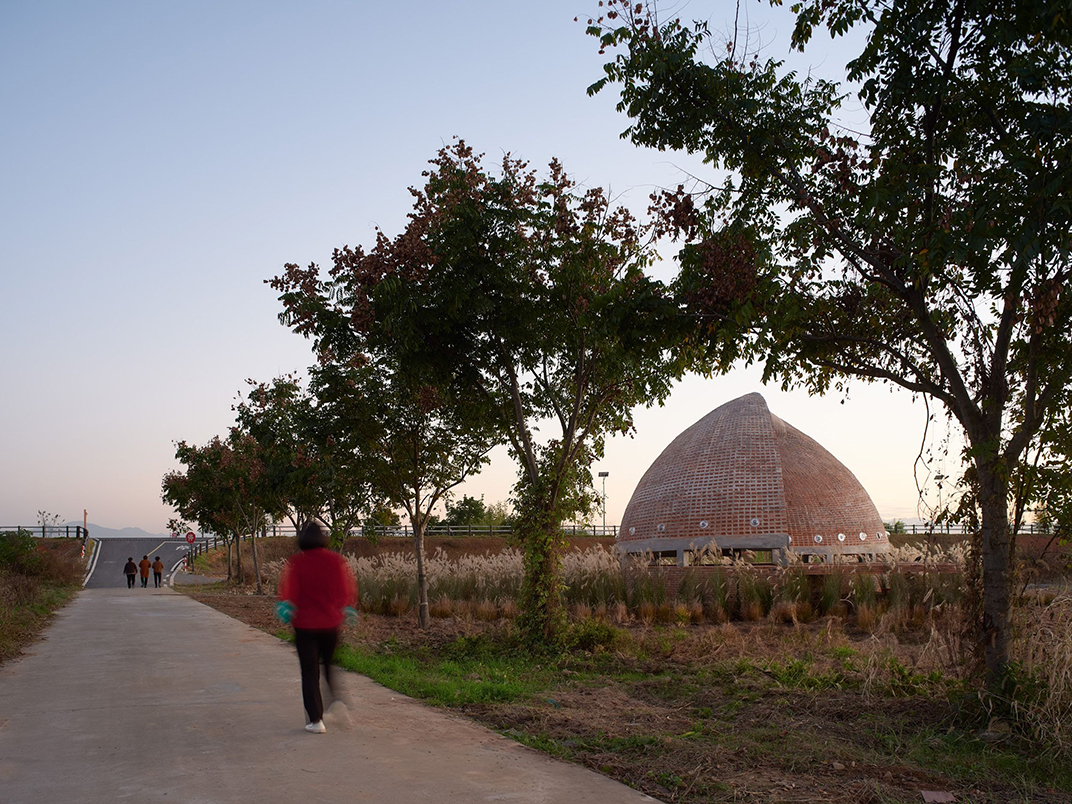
[(317, 592)]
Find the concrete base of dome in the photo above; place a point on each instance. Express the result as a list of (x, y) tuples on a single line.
[(689, 551)]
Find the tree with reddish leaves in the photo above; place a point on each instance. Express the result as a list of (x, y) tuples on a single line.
[(224, 488), (315, 458), (929, 252), (527, 297)]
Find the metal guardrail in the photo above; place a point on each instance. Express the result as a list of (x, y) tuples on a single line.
[(48, 531), (404, 531), (1030, 529), (206, 542)]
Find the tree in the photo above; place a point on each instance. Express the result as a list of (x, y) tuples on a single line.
[(466, 511), (224, 490), (928, 252), (420, 443), (528, 297), (48, 520), (177, 526), (315, 459)]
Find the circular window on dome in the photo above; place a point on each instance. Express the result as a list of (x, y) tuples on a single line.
[(818, 538), (661, 528), (880, 535), (863, 536), (841, 537), (632, 531), (755, 522), (703, 524)]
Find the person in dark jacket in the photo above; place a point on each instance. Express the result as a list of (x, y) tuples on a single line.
[(143, 566), (158, 572), (130, 570), (317, 592)]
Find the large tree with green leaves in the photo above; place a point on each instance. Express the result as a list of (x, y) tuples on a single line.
[(927, 248), (525, 296), (315, 457), (421, 439)]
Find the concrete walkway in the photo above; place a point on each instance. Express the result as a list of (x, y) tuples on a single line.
[(148, 695)]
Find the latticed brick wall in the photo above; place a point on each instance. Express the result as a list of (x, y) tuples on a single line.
[(741, 473)]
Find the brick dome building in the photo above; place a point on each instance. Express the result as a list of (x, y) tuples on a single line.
[(745, 479)]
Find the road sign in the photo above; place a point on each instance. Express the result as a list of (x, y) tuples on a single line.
[(190, 537)]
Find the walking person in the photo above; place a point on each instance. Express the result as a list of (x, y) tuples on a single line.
[(143, 566), (130, 570), (317, 592), (158, 572)]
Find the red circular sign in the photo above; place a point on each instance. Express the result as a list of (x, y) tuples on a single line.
[(190, 537)]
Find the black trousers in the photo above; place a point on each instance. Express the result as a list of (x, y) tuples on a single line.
[(315, 647), (144, 581), (130, 581), (156, 579)]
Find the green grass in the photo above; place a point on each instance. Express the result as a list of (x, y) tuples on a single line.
[(794, 714), (451, 677)]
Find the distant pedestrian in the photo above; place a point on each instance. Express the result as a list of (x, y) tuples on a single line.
[(144, 565), (130, 570), (317, 592), (158, 572)]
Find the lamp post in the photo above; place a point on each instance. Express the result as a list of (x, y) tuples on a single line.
[(604, 476)]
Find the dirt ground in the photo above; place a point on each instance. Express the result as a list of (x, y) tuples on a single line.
[(742, 712), (702, 714)]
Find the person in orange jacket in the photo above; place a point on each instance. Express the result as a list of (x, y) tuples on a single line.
[(158, 572), (143, 567), (317, 593)]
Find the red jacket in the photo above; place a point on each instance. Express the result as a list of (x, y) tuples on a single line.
[(319, 584)]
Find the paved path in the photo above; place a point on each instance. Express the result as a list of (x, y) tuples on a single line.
[(147, 695), (106, 565)]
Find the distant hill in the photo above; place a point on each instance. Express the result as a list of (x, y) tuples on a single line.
[(99, 532)]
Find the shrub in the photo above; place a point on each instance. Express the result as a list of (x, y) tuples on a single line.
[(590, 635), (830, 595), (1039, 685), (755, 595)]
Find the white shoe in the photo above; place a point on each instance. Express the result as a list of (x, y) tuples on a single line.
[(316, 728), (339, 713)]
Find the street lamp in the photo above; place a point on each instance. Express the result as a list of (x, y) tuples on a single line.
[(604, 476)]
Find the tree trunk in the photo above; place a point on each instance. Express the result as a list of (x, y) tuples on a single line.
[(238, 558), (228, 541), (542, 616), (997, 561), (422, 580), (256, 563)]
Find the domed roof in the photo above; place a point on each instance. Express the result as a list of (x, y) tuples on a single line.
[(745, 478)]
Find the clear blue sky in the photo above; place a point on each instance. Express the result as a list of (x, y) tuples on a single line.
[(158, 161)]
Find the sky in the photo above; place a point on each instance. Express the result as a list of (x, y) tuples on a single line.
[(159, 161)]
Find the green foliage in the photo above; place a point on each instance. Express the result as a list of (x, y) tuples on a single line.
[(799, 673), (794, 586), (590, 635), (518, 301), (19, 553), (466, 511), (754, 589), (831, 592), (862, 589), (928, 251)]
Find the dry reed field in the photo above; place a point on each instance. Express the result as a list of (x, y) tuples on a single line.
[(737, 685)]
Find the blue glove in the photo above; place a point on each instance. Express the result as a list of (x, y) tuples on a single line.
[(351, 615), (284, 610)]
